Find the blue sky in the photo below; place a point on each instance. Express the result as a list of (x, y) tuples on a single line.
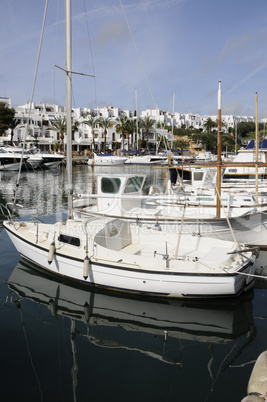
[(156, 47)]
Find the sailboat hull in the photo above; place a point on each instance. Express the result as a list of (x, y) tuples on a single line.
[(129, 271)]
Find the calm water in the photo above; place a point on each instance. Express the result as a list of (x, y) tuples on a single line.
[(60, 343)]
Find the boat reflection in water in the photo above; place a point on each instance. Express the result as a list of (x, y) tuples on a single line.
[(159, 330)]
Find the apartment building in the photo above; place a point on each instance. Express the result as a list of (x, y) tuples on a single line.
[(42, 115)]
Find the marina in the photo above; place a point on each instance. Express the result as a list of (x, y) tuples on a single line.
[(212, 344), (127, 273)]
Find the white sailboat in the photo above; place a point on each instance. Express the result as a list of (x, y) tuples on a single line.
[(123, 256)]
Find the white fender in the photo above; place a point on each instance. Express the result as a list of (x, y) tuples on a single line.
[(51, 253), (86, 265)]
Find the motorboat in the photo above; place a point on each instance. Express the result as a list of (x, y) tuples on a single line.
[(11, 160), (206, 156), (248, 156), (50, 160), (145, 160), (106, 159), (122, 196)]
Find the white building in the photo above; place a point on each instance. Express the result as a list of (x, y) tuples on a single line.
[(42, 115), (6, 101)]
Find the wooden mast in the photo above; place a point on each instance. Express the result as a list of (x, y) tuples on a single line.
[(219, 153)]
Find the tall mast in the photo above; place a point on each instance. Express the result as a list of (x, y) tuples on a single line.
[(68, 104), (136, 106), (219, 153), (256, 148), (173, 101), (235, 135)]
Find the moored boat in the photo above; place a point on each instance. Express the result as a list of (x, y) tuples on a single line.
[(122, 256), (106, 159), (125, 257), (11, 160), (121, 196)]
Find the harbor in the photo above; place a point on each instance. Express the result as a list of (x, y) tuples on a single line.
[(65, 334), (133, 240)]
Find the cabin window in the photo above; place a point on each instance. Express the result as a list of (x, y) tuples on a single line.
[(74, 241), (198, 176), (110, 185), (133, 184)]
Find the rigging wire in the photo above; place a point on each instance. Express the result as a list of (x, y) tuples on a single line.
[(162, 50), (30, 109), (55, 52), (91, 52), (138, 54)]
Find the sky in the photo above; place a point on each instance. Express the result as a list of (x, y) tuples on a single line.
[(168, 54)]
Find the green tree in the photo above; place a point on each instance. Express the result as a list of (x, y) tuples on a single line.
[(60, 126), (7, 115), (130, 130), (121, 127), (209, 124), (208, 141), (228, 143), (147, 124), (12, 126), (180, 144), (244, 128), (92, 122), (105, 123), (74, 128)]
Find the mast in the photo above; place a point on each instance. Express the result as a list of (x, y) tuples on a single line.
[(136, 105), (219, 153), (256, 149), (235, 135), (173, 101), (68, 104)]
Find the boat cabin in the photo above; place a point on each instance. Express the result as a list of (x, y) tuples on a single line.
[(118, 193)]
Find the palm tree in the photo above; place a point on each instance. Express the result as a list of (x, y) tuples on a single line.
[(209, 124), (147, 124), (105, 122), (13, 124), (60, 126), (92, 121), (130, 130), (121, 127), (74, 128)]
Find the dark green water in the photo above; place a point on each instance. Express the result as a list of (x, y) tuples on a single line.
[(60, 343)]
